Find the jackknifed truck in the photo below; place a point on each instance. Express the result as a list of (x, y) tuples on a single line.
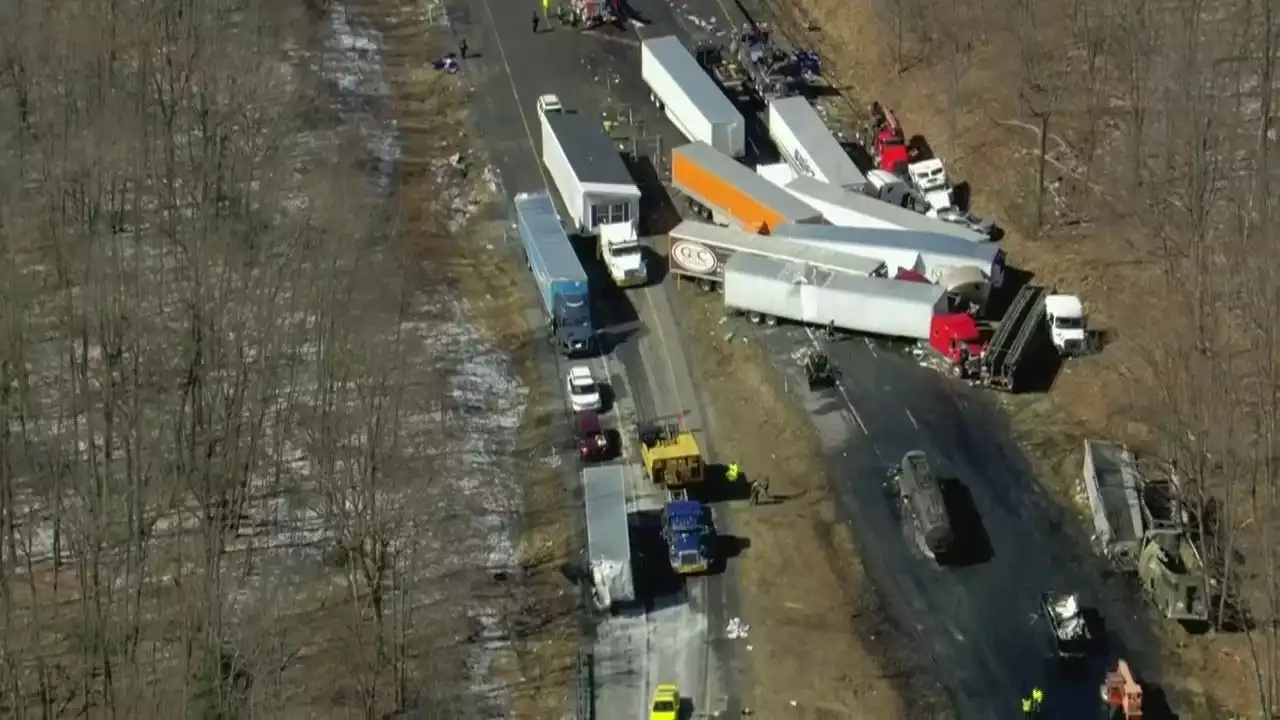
[(806, 144), (699, 250), (608, 536), (730, 193), (595, 186), (683, 90), (562, 283), (768, 289)]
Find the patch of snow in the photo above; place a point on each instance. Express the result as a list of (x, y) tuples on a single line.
[(354, 60)]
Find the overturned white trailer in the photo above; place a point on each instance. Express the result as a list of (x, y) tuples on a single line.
[(854, 209), (608, 536)]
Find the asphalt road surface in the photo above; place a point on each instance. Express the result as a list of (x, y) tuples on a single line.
[(679, 638), (975, 623)]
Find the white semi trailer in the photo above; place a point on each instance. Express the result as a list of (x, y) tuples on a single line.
[(766, 289), (808, 146), (689, 97), (853, 209)]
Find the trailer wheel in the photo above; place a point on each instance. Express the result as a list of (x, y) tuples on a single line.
[(771, 321), (754, 317)]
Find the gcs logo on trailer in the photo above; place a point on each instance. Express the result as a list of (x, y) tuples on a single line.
[(693, 257)]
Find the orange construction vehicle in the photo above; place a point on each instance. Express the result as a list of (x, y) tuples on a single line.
[(1121, 694)]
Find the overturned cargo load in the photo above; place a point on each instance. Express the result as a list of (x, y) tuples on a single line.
[(732, 193)]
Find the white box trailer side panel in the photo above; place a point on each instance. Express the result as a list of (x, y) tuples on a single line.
[(853, 209), (806, 143), (895, 260), (937, 253), (562, 174), (696, 247), (870, 305), (893, 308), (690, 97), (778, 173)]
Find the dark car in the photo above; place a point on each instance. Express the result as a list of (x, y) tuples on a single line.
[(593, 443)]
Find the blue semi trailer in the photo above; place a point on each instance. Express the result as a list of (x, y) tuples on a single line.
[(561, 281)]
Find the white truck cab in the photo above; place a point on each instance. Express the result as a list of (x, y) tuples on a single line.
[(1067, 324), (887, 187), (623, 255), (929, 177), (549, 103)]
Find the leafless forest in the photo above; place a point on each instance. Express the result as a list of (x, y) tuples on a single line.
[(1133, 145), (224, 400)]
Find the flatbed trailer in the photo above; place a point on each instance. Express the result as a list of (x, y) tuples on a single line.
[(1021, 344), (608, 535)]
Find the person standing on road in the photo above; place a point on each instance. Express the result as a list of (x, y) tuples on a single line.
[(1026, 707), (535, 23), (1037, 697), (756, 492), (732, 473), (462, 48)]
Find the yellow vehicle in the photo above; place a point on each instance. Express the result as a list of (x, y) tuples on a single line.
[(670, 455), (666, 703)]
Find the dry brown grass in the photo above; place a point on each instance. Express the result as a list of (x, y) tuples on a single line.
[(430, 107), (1091, 397), (802, 587)]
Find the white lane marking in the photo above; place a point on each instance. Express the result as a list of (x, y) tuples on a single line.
[(912, 418), (844, 394), (870, 346)]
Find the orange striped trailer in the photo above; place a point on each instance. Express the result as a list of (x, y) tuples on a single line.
[(731, 193)]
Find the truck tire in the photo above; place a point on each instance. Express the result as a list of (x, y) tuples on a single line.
[(754, 317), (770, 320)]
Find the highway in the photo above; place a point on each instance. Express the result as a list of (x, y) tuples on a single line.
[(974, 628), (680, 638)]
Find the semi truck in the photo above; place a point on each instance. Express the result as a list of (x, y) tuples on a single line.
[(689, 532), (720, 188), (688, 96), (1036, 325), (586, 168), (806, 144), (857, 210), (698, 252), (1140, 526), (767, 289), (935, 254), (562, 283), (608, 536)]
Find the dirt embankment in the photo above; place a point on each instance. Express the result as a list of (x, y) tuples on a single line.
[(817, 637)]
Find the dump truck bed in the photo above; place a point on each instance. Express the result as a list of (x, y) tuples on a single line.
[(1111, 483)]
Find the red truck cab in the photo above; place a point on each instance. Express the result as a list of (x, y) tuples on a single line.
[(957, 337)]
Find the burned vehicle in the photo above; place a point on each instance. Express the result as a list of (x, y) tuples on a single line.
[(920, 495)]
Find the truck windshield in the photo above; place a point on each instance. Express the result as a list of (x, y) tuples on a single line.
[(626, 250), (1069, 323), (574, 312)]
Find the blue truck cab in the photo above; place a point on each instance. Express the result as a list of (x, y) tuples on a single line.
[(561, 280), (689, 534)]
